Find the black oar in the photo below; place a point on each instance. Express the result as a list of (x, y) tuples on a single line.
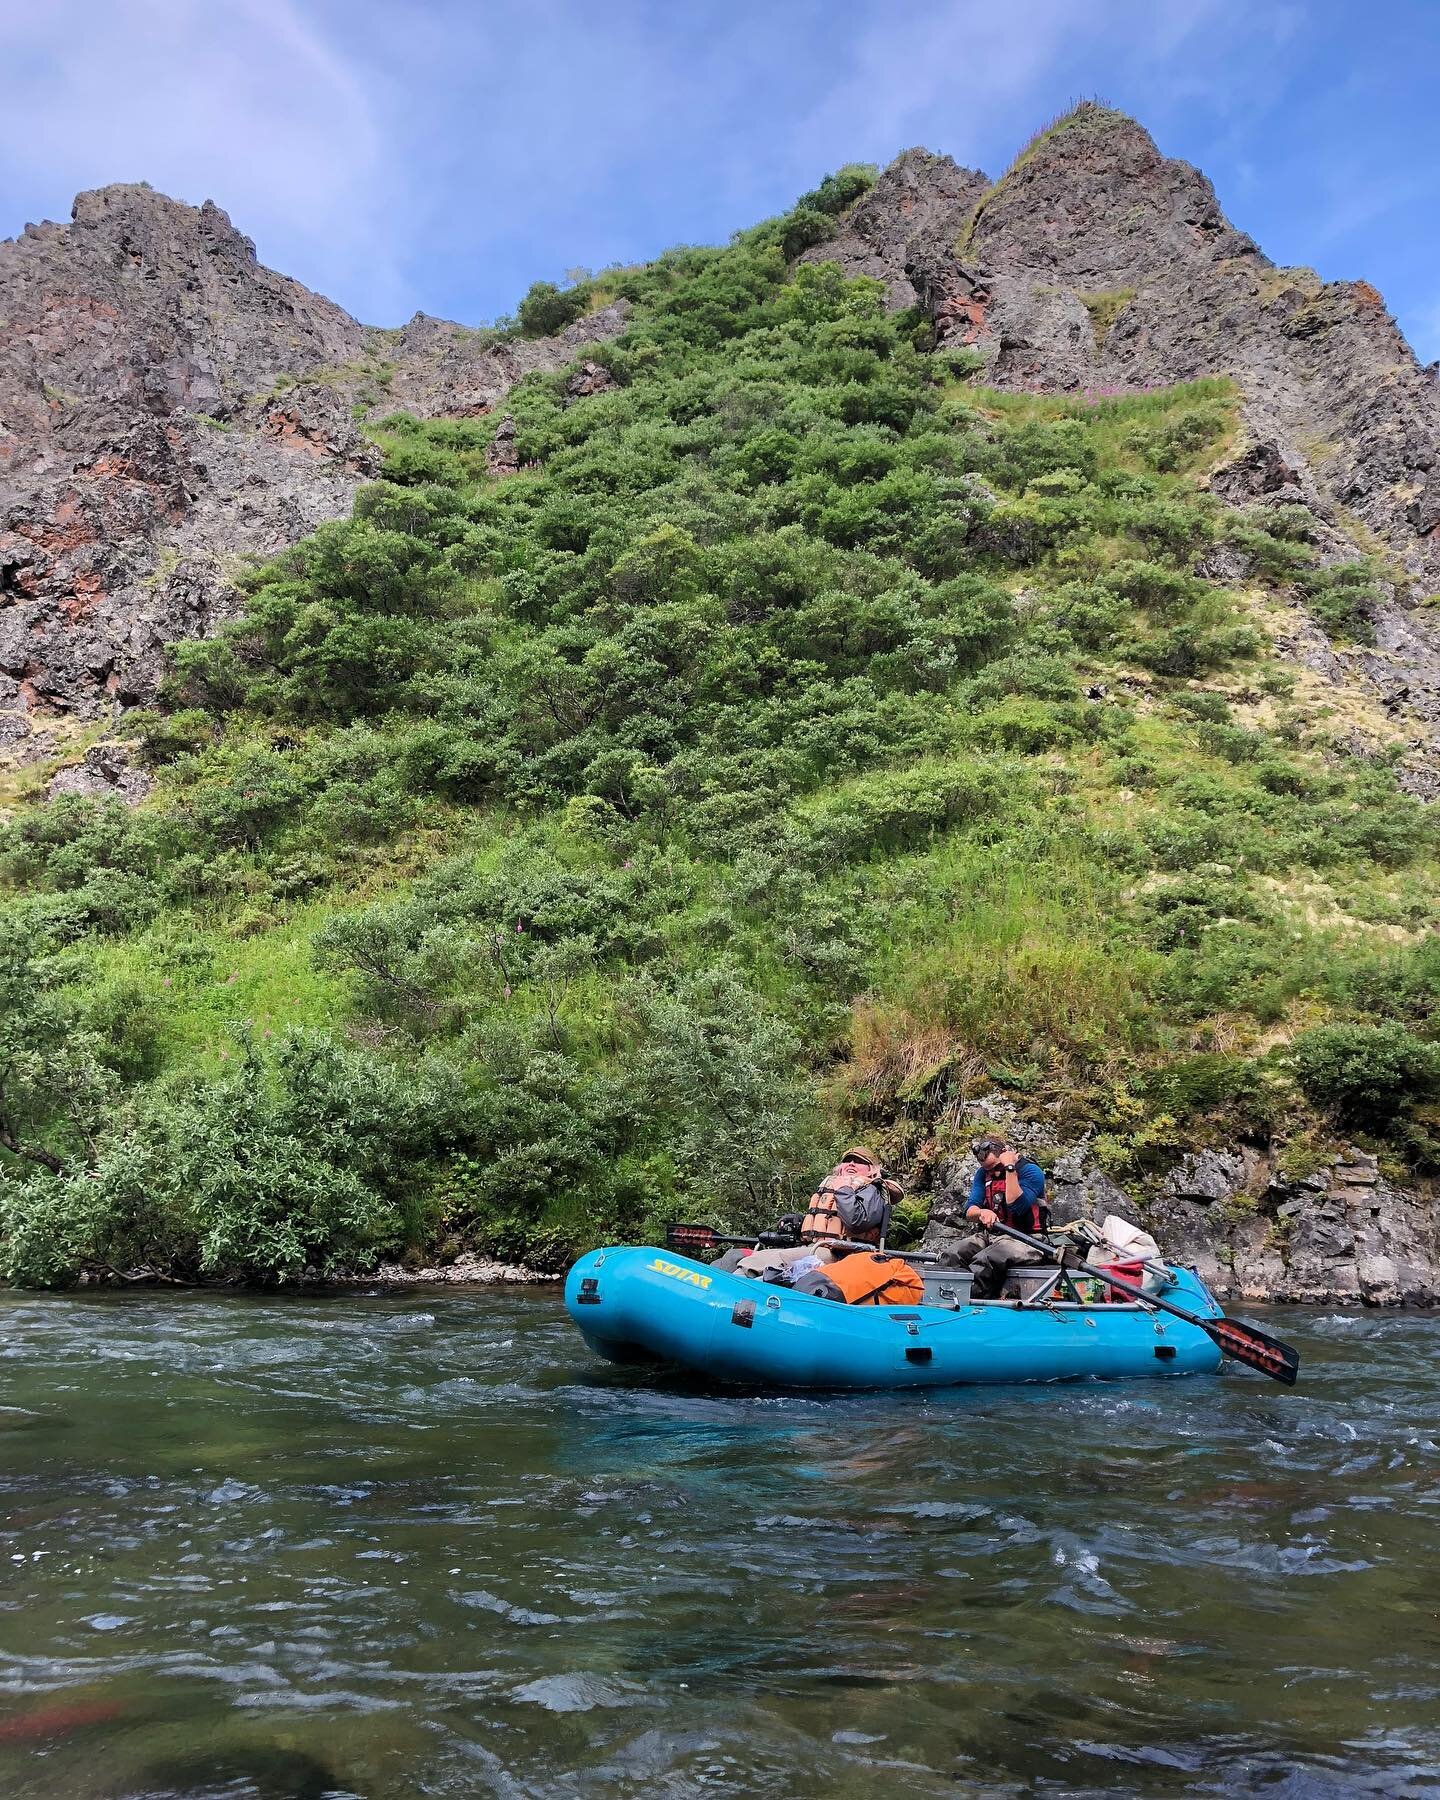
[(1246, 1343), (693, 1238)]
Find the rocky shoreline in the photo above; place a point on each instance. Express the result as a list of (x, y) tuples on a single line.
[(1341, 1235), (467, 1270)]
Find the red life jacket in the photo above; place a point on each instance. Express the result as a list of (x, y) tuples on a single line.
[(1022, 1215)]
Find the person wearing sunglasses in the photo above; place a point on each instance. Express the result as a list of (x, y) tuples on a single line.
[(1006, 1189)]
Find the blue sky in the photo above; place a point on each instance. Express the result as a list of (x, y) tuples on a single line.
[(442, 154)]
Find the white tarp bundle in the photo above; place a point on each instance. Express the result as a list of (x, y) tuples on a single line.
[(1123, 1242)]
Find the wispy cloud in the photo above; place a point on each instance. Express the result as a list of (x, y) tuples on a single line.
[(960, 72), (247, 102)]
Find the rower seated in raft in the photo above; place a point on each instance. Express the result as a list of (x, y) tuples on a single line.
[(1006, 1189)]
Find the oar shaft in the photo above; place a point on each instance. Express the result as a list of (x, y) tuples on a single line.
[(1114, 1281), (1246, 1343)]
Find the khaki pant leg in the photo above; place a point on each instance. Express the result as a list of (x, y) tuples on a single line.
[(991, 1267), (969, 1248)]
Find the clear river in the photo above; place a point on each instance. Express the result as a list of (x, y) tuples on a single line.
[(424, 1544)]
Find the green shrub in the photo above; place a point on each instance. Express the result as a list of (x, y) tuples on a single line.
[(1175, 443), (1343, 600), (839, 190), (260, 1175), (723, 1072), (1367, 1075), (547, 309)]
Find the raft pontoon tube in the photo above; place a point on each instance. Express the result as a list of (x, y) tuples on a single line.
[(635, 1304)]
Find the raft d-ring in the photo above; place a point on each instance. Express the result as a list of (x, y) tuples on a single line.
[(599, 1258), (773, 1303)]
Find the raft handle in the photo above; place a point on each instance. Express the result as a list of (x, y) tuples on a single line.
[(743, 1313), (919, 1353)]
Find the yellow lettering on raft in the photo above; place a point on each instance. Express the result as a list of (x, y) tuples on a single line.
[(693, 1276)]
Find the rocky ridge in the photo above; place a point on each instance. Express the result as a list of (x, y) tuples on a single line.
[(1098, 265), (171, 411)]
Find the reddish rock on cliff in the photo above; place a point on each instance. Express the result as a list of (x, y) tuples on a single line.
[(171, 410)]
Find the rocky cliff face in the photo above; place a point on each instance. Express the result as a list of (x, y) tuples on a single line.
[(1342, 1235), (1098, 264), (169, 411), (920, 198)]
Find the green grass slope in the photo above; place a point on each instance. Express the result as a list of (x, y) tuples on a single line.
[(803, 742)]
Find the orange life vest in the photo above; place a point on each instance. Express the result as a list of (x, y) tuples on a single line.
[(853, 1202), (867, 1280)]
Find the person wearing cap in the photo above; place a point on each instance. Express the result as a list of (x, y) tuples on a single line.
[(851, 1206), (1006, 1189)]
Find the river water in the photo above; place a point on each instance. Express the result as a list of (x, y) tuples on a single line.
[(426, 1545)]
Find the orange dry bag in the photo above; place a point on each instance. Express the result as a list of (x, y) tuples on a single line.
[(867, 1280)]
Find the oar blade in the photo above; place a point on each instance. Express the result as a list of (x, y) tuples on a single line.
[(691, 1239), (1249, 1344)]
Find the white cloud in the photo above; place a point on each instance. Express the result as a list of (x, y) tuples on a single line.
[(242, 101)]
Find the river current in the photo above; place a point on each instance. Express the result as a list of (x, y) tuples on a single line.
[(424, 1544)]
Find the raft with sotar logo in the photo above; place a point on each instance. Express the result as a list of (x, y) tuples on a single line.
[(637, 1304)]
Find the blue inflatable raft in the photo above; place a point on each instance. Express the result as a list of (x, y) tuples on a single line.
[(656, 1306)]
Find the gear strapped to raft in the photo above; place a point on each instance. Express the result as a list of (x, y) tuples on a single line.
[(853, 1202), (865, 1280)]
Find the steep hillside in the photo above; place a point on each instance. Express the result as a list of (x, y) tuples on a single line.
[(1097, 264), (170, 411), (777, 725)]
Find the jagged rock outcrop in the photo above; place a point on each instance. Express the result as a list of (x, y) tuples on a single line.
[(171, 410), (919, 197), (1340, 1235), (1098, 264)]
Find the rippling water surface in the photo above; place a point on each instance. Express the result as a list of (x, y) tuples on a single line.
[(425, 1545)]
